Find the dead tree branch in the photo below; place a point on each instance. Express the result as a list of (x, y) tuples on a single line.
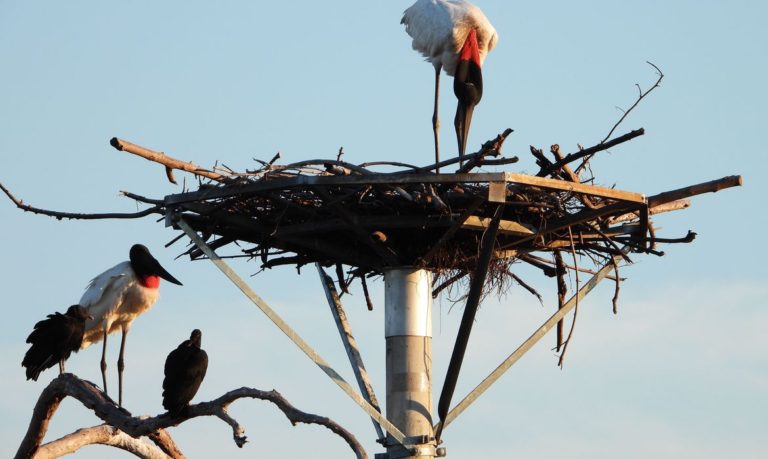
[(167, 161), (76, 216), (570, 157), (107, 410), (103, 434)]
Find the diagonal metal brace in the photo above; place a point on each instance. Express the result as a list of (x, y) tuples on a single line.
[(396, 433), (528, 344), (350, 345)]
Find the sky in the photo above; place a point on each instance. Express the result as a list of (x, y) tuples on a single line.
[(681, 371)]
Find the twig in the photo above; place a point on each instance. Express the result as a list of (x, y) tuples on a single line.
[(640, 97), (576, 306)]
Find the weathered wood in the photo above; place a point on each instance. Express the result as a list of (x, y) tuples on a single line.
[(658, 209), (693, 190), (69, 385), (591, 190), (165, 160), (505, 226)]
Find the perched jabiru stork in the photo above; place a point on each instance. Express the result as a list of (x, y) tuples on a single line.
[(54, 339), (116, 297), (185, 369), (453, 35)]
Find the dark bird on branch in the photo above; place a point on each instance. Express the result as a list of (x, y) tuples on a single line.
[(456, 36), (54, 339), (185, 369), (116, 297)]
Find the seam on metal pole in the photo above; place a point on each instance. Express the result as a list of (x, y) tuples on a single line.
[(350, 344), (528, 343), (291, 334)]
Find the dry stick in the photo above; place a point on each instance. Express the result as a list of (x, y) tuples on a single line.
[(368, 301), (642, 95), (164, 159), (570, 157), (448, 283), (615, 300), (577, 268), (103, 407), (523, 284), (562, 290), (77, 216), (712, 186), (576, 306)]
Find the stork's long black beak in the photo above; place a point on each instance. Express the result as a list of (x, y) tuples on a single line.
[(468, 87), (145, 264), (166, 275), (462, 121)]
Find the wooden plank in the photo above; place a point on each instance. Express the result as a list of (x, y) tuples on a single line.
[(505, 226), (592, 190)]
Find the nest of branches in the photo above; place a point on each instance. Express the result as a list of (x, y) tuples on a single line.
[(336, 213)]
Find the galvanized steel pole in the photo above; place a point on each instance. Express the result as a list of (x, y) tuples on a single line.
[(408, 331)]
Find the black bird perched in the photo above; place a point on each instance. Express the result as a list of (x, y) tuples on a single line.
[(54, 339), (184, 371)]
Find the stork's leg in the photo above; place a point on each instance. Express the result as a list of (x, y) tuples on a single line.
[(61, 366), (435, 118), (120, 367), (104, 360)]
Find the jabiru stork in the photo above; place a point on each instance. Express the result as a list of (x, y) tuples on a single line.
[(116, 297), (54, 339), (453, 35), (185, 369)]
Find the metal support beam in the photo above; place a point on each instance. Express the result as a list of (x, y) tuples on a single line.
[(408, 332), (350, 345), (487, 245), (528, 344), (393, 431)]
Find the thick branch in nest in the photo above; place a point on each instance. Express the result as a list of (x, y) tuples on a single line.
[(91, 397)]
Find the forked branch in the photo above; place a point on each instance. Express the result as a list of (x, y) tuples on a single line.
[(105, 408)]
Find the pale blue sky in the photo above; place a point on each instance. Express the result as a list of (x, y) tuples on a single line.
[(682, 371)]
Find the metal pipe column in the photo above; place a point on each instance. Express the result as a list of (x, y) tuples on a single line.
[(408, 331)]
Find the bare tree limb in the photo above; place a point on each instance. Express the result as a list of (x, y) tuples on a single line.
[(106, 409), (76, 216), (103, 434), (167, 161)]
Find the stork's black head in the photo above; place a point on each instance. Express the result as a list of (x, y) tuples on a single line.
[(145, 265), (468, 87), (196, 338), (78, 312)]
